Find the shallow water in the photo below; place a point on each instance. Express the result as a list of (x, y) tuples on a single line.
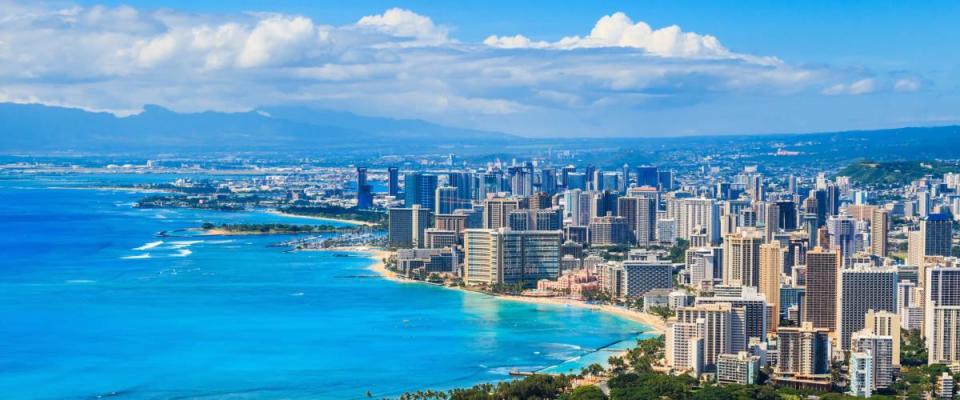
[(93, 304)]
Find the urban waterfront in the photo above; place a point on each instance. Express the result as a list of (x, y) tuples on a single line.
[(95, 305)]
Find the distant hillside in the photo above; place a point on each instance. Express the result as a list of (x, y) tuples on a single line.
[(894, 172), (33, 128)]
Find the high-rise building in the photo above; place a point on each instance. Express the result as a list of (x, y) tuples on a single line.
[(548, 181), (803, 350), (641, 215), (704, 264), (861, 375), (463, 181), (364, 190), (447, 200), (684, 346), (881, 349), (823, 269), (393, 181), (937, 233), (879, 231), (609, 230), (420, 189), (714, 325), (496, 210), (942, 314), (885, 323), (696, 216), (647, 175), (752, 323), (771, 267), (407, 226), (843, 230), (511, 257), (634, 278), (741, 258), (863, 288)]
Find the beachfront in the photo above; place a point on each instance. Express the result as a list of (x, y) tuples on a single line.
[(378, 255)]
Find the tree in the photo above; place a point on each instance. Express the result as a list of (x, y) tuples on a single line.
[(584, 393)]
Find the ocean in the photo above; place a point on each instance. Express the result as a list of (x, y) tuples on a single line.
[(93, 305)]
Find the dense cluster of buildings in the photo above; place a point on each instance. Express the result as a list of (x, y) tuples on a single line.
[(788, 274)]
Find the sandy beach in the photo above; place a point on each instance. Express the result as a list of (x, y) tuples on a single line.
[(345, 221), (655, 323)]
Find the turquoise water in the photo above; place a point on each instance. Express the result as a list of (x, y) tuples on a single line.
[(93, 304)]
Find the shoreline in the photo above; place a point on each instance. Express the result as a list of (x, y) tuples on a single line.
[(345, 221), (654, 324)]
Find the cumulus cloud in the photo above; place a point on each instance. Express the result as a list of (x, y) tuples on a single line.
[(619, 30), (397, 63), (408, 24)]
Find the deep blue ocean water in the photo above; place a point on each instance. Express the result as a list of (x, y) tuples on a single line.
[(92, 304)]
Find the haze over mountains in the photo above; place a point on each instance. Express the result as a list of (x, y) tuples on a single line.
[(34, 128)]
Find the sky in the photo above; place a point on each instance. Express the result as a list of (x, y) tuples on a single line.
[(540, 69)]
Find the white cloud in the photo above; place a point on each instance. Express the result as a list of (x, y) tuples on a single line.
[(906, 85), (514, 42), (618, 30), (406, 23), (862, 86), (398, 63)]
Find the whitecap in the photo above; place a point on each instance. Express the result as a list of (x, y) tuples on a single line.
[(149, 246), (81, 281), (137, 257), (297, 294), (179, 244), (183, 253)]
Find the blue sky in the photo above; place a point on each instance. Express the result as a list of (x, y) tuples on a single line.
[(729, 67)]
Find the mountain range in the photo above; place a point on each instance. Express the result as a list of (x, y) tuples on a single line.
[(35, 127)]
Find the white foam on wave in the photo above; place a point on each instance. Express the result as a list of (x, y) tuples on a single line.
[(149, 246), (79, 281), (183, 253), (137, 257), (297, 294), (181, 244)]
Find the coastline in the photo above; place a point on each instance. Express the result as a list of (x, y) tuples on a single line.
[(654, 323), (345, 221)]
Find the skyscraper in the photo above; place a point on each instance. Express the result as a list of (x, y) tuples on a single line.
[(715, 323), (407, 226), (420, 189), (741, 255), (364, 190), (863, 288), (393, 181), (495, 211), (771, 266), (641, 216), (879, 231), (505, 256), (942, 314), (647, 175), (843, 231), (937, 233), (803, 350), (823, 268)]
